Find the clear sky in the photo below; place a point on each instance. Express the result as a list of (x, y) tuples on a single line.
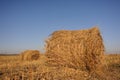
[(25, 24)]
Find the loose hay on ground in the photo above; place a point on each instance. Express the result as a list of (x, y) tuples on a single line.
[(79, 49)]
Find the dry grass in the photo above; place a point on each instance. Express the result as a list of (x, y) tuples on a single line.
[(78, 49), (113, 66), (112, 59), (36, 70), (12, 68)]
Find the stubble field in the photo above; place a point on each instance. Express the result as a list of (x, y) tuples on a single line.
[(13, 68)]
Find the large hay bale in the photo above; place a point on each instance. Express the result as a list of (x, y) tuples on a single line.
[(30, 55), (79, 49)]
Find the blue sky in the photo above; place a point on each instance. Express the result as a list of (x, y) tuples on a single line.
[(26, 24)]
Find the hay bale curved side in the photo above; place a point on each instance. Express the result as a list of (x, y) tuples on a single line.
[(30, 55), (79, 49)]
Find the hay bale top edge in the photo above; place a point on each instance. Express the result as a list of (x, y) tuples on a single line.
[(90, 30)]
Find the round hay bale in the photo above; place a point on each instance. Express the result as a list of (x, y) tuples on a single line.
[(79, 49), (30, 55)]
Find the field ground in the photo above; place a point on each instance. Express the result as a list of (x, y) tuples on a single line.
[(12, 68)]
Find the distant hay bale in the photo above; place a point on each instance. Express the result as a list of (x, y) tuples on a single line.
[(30, 55), (79, 49)]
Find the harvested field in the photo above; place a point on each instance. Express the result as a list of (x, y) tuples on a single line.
[(12, 68), (70, 55)]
